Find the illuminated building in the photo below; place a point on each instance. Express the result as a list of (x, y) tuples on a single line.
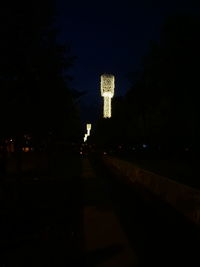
[(107, 92)]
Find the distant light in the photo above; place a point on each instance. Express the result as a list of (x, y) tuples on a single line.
[(88, 126), (107, 92), (107, 85), (85, 137), (104, 153), (144, 146), (81, 152), (26, 149)]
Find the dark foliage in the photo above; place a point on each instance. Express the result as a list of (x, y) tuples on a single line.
[(35, 95), (162, 106)]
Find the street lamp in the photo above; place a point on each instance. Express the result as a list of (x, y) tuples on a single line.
[(89, 126), (85, 137)]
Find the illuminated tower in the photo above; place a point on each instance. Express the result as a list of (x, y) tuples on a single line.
[(107, 92), (89, 126)]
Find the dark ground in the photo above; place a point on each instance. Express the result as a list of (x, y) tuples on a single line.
[(41, 216), (41, 219)]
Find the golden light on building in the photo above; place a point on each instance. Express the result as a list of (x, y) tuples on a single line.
[(107, 92), (26, 149), (88, 126)]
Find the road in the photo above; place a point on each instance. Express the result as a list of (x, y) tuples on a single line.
[(89, 218)]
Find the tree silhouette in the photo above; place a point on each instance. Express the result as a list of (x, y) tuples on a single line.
[(161, 108), (165, 95), (35, 93)]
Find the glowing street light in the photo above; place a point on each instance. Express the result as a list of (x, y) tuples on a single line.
[(89, 126), (107, 92), (85, 137)]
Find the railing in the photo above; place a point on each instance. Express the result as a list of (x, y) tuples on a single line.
[(183, 198)]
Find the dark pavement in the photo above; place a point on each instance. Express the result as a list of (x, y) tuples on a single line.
[(93, 219)]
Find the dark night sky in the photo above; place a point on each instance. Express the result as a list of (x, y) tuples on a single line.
[(110, 38)]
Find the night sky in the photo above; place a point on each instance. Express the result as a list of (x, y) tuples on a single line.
[(110, 38)]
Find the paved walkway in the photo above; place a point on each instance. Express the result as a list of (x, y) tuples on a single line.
[(105, 241)]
